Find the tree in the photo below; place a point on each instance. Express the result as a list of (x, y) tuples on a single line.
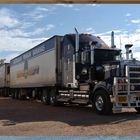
[(2, 61)]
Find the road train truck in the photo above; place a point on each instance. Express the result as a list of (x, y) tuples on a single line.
[(79, 69)]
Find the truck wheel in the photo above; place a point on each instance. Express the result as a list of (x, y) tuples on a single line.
[(45, 98), (53, 99), (137, 109), (13, 95), (16, 95), (21, 97), (101, 103)]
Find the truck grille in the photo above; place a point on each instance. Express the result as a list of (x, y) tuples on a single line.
[(127, 89), (134, 78)]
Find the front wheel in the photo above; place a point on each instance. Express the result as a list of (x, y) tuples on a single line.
[(102, 103), (137, 109)]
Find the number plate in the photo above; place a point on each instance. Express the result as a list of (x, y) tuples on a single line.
[(138, 94), (122, 99)]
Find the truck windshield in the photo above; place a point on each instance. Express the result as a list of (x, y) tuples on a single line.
[(106, 55)]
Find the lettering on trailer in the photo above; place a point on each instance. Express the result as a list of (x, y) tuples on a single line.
[(28, 71)]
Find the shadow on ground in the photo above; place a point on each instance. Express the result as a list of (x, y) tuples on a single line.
[(15, 111)]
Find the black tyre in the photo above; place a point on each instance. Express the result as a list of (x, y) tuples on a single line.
[(53, 98), (21, 97), (137, 109), (102, 103), (45, 98), (13, 95), (16, 95)]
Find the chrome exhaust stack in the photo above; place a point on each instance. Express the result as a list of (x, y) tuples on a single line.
[(112, 40), (76, 41)]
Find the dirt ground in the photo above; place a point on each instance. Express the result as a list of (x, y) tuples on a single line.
[(32, 118)]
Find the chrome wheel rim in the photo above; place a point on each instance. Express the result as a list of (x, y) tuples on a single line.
[(99, 103), (44, 99), (52, 99)]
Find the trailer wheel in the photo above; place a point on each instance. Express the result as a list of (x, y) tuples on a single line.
[(45, 98), (13, 95), (102, 103), (137, 109), (21, 97), (16, 95), (53, 98)]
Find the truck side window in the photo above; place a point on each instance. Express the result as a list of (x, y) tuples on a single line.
[(78, 57), (85, 57)]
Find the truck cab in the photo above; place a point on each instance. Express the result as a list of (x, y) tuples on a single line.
[(93, 72)]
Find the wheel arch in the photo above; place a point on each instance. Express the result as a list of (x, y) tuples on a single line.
[(98, 86)]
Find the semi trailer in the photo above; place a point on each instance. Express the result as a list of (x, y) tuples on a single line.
[(5, 79), (77, 68)]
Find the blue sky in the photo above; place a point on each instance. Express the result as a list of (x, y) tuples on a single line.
[(26, 25)]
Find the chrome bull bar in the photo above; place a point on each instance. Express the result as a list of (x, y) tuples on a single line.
[(126, 90)]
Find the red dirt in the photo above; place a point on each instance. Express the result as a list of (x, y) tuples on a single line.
[(32, 118)]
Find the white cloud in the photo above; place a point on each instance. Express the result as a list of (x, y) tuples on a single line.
[(123, 38), (26, 24), (117, 31), (94, 5), (91, 5), (42, 9), (135, 21), (38, 17), (49, 27), (65, 5), (7, 18), (37, 31), (90, 30), (13, 33), (136, 55), (37, 14), (138, 30), (11, 56), (16, 44), (76, 9), (128, 15)]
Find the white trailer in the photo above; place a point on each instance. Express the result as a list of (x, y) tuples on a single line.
[(37, 68), (4, 79)]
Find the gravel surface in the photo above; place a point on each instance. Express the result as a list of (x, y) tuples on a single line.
[(32, 118)]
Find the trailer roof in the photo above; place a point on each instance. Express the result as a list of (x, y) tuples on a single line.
[(20, 56)]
